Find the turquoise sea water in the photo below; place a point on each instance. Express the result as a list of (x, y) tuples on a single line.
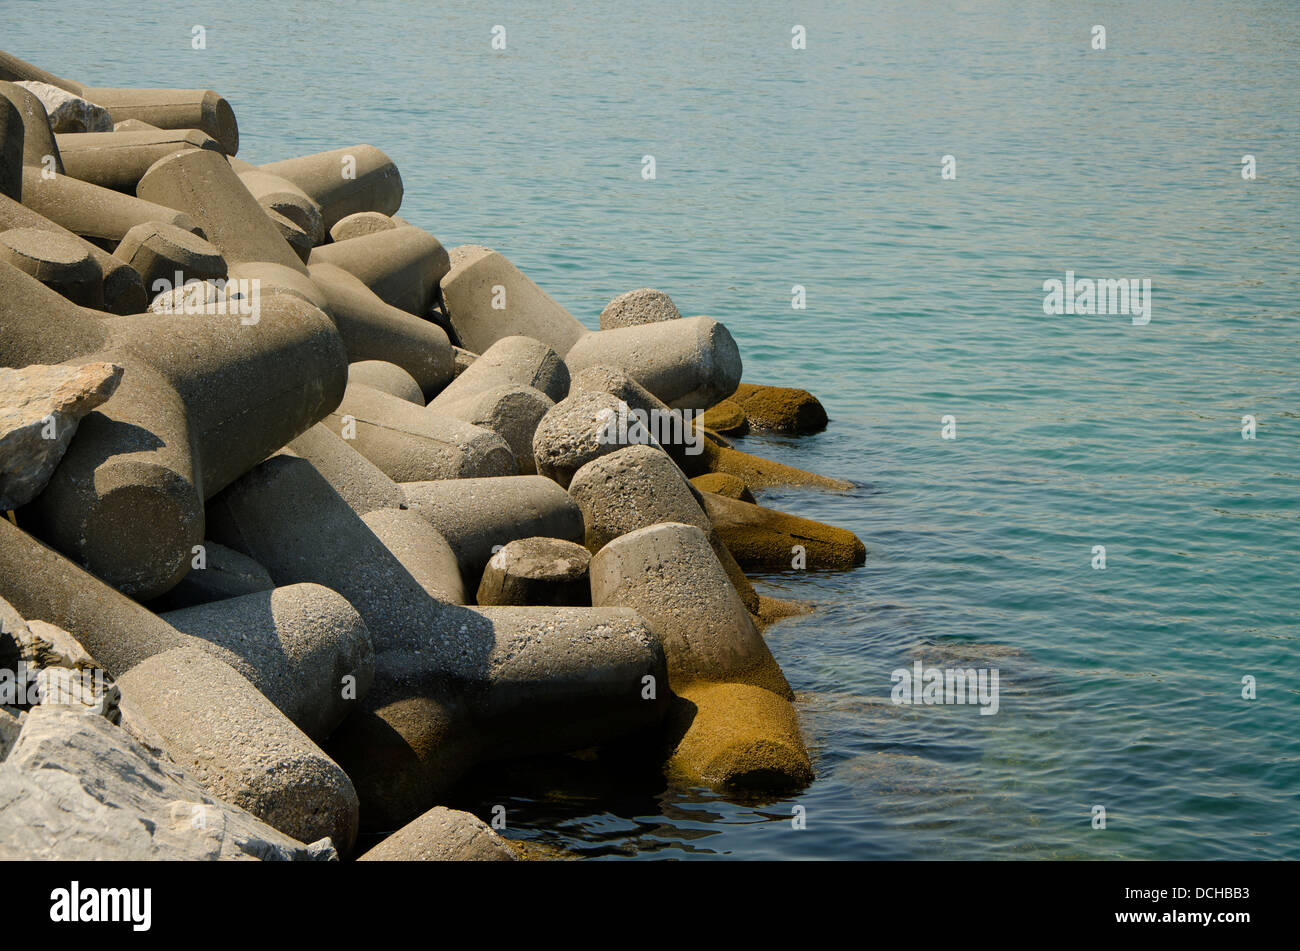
[(821, 167)]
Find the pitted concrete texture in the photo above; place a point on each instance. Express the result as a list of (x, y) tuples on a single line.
[(402, 265), (409, 443), (60, 262), (642, 306), (767, 539), (442, 835), (200, 402), (303, 646), (39, 147), (537, 571), (512, 412), (517, 361)]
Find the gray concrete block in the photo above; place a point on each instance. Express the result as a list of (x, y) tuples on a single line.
[(511, 361), (387, 377), (537, 571), (402, 265), (345, 181), (118, 160)]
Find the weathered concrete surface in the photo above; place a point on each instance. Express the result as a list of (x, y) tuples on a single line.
[(211, 720), (74, 787), (277, 194), (124, 291), (642, 306), (512, 412), (402, 266), (374, 330), (39, 147), (40, 407), (577, 430), (721, 483), (98, 214), (690, 363), (757, 472), (202, 184), (511, 361), (410, 443), (537, 571), (372, 185), (479, 280), (453, 686), (118, 160), (388, 378), (361, 224), (224, 573), (303, 646), (160, 252), (60, 262), (726, 417), (764, 538), (200, 109), (11, 150), (422, 551), (442, 835), (201, 401), (477, 515)]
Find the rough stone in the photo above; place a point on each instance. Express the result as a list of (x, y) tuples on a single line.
[(74, 787), (40, 409), (69, 112)]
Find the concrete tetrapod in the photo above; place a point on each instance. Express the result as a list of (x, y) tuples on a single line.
[(303, 646), (764, 538), (201, 401), (688, 363), (39, 147), (512, 412), (453, 686), (344, 181), (123, 292), (733, 724), (57, 261), (11, 150), (214, 723), (442, 835), (410, 443), (387, 377), (639, 486), (118, 160), (402, 266), (279, 195), (98, 214), (511, 361), (374, 330)]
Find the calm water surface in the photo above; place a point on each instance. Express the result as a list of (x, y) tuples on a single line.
[(820, 167)]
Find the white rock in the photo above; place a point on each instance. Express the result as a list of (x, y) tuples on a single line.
[(69, 113)]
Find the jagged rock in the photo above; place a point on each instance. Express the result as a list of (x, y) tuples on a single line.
[(68, 112), (74, 787), (40, 407)]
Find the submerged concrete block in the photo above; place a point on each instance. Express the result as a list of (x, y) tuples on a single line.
[(780, 409), (118, 160), (213, 722), (123, 288), (410, 443), (402, 266), (764, 538), (670, 574), (345, 181), (303, 646), (374, 330), (200, 402), (442, 835)]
